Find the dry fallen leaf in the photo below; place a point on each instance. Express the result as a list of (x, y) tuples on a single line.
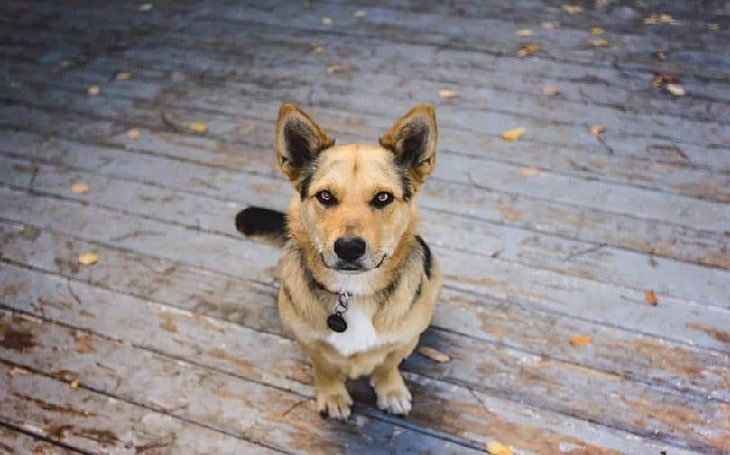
[(509, 214), (664, 78), (497, 448), (327, 21), (650, 298), (17, 371), (73, 384), (572, 9), (550, 91), (359, 14), (530, 171), (93, 90), (79, 188), (527, 49), (601, 42), (675, 89), (316, 48), (550, 25), (447, 94), (123, 76), (333, 69), (145, 7), (662, 18), (598, 4), (198, 127), (580, 340), (433, 354), (659, 55), (88, 258), (597, 130), (133, 133), (714, 27), (523, 32), (597, 31), (513, 134)]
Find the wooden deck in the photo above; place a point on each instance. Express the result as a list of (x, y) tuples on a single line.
[(171, 342)]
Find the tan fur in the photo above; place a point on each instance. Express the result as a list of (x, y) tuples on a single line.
[(355, 174)]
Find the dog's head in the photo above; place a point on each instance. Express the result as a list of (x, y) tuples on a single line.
[(354, 201)]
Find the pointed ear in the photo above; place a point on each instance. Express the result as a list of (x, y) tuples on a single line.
[(298, 141), (412, 139)]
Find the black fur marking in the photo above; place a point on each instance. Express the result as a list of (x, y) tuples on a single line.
[(415, 140), (405, 180), (287, 293), (301, 143), (426, 256), (261, 221)]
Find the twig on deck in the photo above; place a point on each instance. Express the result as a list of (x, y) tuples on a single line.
[(170, 121), (294, 406), (71, 291), (135, 233), (586, 251)]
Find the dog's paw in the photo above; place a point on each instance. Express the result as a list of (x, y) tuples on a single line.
[(394, 398), (334, 403)]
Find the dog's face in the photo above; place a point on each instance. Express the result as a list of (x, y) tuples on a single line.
[(354, 201)]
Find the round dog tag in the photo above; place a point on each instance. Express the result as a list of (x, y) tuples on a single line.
[(336, 323)]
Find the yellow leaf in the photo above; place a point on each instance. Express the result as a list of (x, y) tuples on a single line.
[(133, 133), (497, 448), (530, 171), (359, 14), (333, 69), (580, 340), (198, 127), (523, 32), (527, 49), (550, 91), (73, 384), (655, 19), (675, 89), (713, 26), (327, 21), (513, 134), (597, 130), (93, 90), (597, 31), (601, 42), (550, 25), (79, 188), (88, 258), (145, 7), (447, 94), (433, 354), (124, 76), (572, 9), (317, 48)]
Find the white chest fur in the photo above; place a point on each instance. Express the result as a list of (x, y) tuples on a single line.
[(360, 334)]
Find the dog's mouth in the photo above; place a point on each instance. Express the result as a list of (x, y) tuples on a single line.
[(352, 267)]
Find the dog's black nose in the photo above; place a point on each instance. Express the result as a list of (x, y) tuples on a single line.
[(350, 248)]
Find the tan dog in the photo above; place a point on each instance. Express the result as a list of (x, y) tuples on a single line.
[(358, 285)]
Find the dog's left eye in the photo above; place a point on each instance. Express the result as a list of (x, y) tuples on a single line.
[(382, 199)]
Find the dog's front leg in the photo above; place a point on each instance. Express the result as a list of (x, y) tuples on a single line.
[(391, 391), (333, 400)]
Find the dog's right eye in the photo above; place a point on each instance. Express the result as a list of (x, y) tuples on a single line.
[(326, 198)]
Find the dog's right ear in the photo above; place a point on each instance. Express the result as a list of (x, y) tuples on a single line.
[(298, 141)]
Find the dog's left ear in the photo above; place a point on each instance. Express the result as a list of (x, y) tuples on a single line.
[(299, 139), (412, 139)]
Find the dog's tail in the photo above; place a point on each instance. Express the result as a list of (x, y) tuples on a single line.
[(261, 222)]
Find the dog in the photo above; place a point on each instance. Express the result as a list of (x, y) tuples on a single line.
[(358, 284)]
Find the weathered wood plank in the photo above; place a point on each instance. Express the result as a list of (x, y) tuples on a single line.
[(13, 442), (563, 294), (234, 407), (625, 231), (600, 263), (685, 368), (185, 335), (305, 81), (96, 423)]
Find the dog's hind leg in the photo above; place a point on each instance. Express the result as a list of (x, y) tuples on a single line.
[(391, 391)]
